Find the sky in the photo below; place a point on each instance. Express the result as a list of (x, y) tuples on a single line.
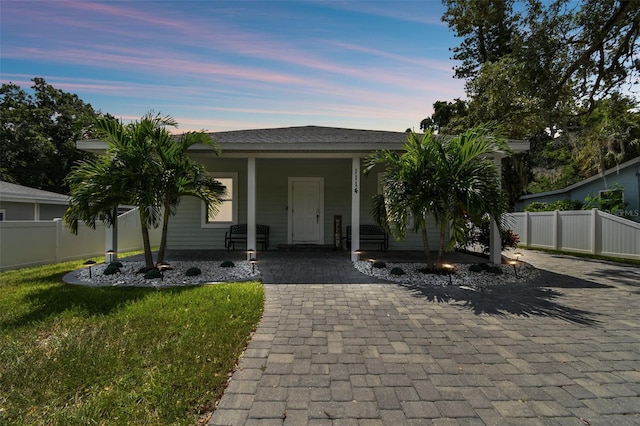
[(232, 65)]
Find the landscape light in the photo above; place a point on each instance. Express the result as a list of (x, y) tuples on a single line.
[(449, 268), (515, 269), (90, 263)]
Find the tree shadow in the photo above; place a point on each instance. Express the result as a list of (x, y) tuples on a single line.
[(533, 298), (629, 276), (87, 301)]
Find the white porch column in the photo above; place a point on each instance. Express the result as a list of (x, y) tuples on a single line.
[(355, 207), (251, 207), (495, 240)]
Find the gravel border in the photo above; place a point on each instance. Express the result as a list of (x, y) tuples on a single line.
[(212, 273), (461, 275), (243, 270)]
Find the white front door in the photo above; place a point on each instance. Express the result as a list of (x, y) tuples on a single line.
[(306, 210)]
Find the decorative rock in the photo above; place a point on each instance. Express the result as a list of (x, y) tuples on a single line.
[(129, 276), (463, 275)]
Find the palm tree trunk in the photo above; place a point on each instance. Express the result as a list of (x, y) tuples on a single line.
[(443, 233), (425, 241), (148, 255), (163, 238)]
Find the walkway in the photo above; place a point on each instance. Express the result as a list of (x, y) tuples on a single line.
[(564, 350)]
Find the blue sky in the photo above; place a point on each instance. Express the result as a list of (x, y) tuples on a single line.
[(238, 64)]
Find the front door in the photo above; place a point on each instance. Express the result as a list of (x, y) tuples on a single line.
[(306, 210)]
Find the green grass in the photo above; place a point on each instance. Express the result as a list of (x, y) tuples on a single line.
[(75, 355)]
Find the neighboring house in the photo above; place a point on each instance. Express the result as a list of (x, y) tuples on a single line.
[(19, 202), (305, 183), (627, 175)]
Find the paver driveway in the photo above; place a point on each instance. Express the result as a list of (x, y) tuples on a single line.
[(562, 350)]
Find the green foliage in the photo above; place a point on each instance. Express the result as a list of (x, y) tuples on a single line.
[(117, 355), (39, 132), (116, 263), (378, 264), (193, 271), (227, 264), (537, 206), (561, 205), (144, 166), (452, 180), (611, 200), (480, 235), (563, 97)]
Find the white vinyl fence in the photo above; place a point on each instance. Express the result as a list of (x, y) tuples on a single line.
[(580, 231), (29, 243)]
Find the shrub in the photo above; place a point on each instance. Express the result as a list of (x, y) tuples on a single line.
[(538, 206), (116, 263), (227, 264), (397, 271), (378, 264), (152, 273), (481, 235), (193, 271), (111, 269)]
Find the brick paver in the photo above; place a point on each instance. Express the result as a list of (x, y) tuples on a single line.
[(560, 350)]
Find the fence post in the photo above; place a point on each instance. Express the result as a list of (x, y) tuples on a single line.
[(58, 223), (594, 231), (526, 229), (556, 230)]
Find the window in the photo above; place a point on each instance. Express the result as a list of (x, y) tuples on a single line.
[(228, 210), (3, 213)]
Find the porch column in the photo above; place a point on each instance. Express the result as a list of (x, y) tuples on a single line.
[(251, 207), (355, 207), (495, 240)]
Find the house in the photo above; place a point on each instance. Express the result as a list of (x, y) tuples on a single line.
[(625, 176), (19, 202), (305, 183)]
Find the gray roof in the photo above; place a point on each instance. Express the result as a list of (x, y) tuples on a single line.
[(608, 172), (307, 139), (24, 194), (302, 139)]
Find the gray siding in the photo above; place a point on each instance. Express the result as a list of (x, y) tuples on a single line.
[(186, 232), (17, 211), (51, 211), (628, 177)]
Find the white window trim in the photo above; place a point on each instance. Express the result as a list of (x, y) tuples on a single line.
[(3, 214), (234, 205)]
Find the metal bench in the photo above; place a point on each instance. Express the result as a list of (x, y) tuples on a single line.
[(370, 234), (238, 234)]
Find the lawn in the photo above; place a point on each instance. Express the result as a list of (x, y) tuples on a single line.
[(74, 355)]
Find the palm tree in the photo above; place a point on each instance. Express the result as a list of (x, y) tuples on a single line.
[(93, 195), (184, 177), (407, 190), (146, 167), (451, 180), (469, 183), (136, 168)]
